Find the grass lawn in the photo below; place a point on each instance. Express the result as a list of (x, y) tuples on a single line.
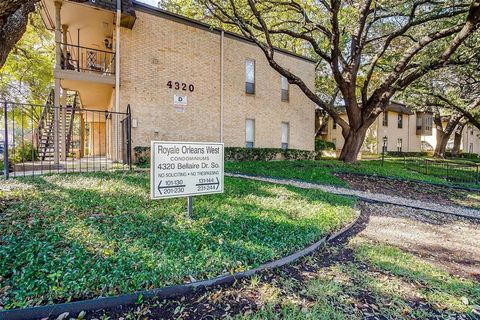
[(322, 171), (77, 236)]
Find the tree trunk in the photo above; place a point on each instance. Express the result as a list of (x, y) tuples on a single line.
[(457, 140), (13, 23), (442, 140), (353, 144)]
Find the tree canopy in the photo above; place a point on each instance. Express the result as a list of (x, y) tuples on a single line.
[(367, 51), (28, 71)]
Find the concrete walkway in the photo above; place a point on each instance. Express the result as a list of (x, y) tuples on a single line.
[(368, 196)]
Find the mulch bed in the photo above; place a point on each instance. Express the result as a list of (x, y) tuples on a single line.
[(412, 190)]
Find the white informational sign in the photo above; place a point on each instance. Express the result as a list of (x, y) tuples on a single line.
[(179, 100), (180, 169)]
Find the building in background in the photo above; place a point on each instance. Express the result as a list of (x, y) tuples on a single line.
[(182, 79), (398, 128)]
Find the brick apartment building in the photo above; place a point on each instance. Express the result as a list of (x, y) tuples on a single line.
[(183, 79)]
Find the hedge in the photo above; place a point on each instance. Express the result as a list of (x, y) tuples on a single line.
[(142, 154), (267, 154), (324, 145), (407, 154)]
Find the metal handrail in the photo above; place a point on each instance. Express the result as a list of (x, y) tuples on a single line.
[(87, 59)]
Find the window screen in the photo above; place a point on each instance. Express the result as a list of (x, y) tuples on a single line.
[(250, 76), (285, 89), (285, 133), (249, 132), (385, 118)]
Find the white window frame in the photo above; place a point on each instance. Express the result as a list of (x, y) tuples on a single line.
[(285, 142), (284, 89), (249, 82), (249, 141)]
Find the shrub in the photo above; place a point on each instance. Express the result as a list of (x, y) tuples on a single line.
[(267, 154), (142, 154), (323, 145), (23, 152), (469, 155), (407, 154)]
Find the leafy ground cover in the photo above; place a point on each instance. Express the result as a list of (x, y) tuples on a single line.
[(76, 236), (323, 171), (391, 266)]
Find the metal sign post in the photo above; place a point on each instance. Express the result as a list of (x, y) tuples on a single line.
[(185, 169), (190, 206), (5, 147)]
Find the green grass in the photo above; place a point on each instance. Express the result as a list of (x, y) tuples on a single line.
[(383, 278), (322, 171), (76, 236), (437, 287)]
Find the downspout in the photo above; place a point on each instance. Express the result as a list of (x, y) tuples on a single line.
[(117, 73), (221, 85), (408, 133)]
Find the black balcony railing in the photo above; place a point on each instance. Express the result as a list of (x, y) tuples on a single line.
[(83, 59)]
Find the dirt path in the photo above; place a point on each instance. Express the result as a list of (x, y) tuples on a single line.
[(451, 243), (413, 190), (396, 263)]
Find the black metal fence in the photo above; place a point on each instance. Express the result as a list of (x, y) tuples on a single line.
[(457, 172), (39, 139)]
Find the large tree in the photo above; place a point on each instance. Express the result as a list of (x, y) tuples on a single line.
[(13, 23), (366, 50)]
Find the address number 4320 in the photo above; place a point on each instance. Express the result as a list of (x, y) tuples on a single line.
[(180, 86)]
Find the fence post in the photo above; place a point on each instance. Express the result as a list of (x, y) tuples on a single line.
[(447, 171), (5, 143), (129, 137), (476, 176)]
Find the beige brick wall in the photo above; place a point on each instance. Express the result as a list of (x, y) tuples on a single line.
[(159, 50), (470, 136)]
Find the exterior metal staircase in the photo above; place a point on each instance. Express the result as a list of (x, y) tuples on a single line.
[(46, 126)]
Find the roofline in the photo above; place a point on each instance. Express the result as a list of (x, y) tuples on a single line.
[(143, 7)]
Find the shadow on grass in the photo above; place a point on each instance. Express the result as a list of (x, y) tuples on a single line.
[(81, 236)]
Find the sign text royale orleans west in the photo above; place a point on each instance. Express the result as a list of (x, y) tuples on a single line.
[(186, 168)]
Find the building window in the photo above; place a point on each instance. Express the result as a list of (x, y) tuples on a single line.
[(400, 120), (334, 141), (250, 76), (428, 122), (285, 135), (471, 131), (284, 86), (399, 144), (470, 147), (334, 125), (385, 119), (249, 133)]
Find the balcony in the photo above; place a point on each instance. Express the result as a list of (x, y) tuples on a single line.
[(90, 60), (89, 71)]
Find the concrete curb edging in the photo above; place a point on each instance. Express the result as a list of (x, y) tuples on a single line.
[(165, 292)]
